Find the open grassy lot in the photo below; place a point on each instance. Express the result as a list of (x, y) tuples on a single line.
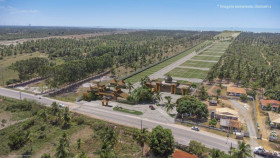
[(211, 53), (206, 58), (44, 128), (157, 67), (7, 61), (188, 73), (198, 64)]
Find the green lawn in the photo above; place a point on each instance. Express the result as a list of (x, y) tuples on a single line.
[(206, 58), (157, 67), (211, 53), (188, 73), (198, 64), (121, 109)]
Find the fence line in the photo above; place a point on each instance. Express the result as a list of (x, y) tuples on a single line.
[(76, 84), (24, 83)]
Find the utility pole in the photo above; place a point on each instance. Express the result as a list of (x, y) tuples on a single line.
[(141, 124), (20, 95)]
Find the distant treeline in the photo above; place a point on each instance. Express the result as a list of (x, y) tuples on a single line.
[(18, 32)]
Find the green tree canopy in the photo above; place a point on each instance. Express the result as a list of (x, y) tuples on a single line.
[(162, 141)]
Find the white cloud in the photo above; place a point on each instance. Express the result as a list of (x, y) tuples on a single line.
[(13, 10)]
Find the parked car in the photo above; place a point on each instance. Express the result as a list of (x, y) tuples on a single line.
[(151, 107), (195, 128)]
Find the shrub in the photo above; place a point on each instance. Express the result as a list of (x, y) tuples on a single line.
[(79, 120), (28, 124), (17, 140)]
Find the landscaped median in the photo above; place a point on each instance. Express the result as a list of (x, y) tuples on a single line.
[(121, 109)]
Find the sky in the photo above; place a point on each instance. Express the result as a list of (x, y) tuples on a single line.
[(142, 13)]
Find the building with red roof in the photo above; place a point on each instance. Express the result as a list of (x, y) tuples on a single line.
[(273, 103), (181, 154)]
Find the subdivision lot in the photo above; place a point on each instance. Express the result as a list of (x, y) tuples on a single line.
[(136, 78), (198, 64), (206, 58), (211, 53), (188, 73)]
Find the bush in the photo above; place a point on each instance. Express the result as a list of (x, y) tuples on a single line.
[(79, 120), (244, 97), (99, 125), (17, 140), (28, 124)]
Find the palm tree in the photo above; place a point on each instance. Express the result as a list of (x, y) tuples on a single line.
[(243, 151), (141, 137), (157, 96), (82, 155), (66, 118), (215, 153), (129, 86), (168, 105), (43, 114), (54, 108), (63, 148)]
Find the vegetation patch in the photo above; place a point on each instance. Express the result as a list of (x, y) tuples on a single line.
[(135, 78), (121, 109), (198, 64), (206, 58), (188, 73)]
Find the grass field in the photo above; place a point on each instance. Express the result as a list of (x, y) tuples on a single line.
[(188, 73), (198, 64), (211, 53), (206, 58), (157, 67), (7, 61)]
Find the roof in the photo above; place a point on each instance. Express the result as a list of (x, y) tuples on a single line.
[(236, 90), (226, 112), (274, 117), (235, 124), (182, 154), (273, 103), (113, 81), (224, 122), (121, 83)]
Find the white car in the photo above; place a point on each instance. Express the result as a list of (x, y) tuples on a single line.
[(195, 128), (61, 105)]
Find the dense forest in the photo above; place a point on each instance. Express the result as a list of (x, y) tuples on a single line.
[(252, 60), (19, 32), (92, 55)]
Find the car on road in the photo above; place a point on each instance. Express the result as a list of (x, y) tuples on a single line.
[(195, 128), (151, 107), (61, 105)]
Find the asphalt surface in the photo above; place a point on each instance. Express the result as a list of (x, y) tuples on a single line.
[(181, 133)]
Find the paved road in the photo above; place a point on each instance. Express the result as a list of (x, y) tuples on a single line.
[(181, 134)]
